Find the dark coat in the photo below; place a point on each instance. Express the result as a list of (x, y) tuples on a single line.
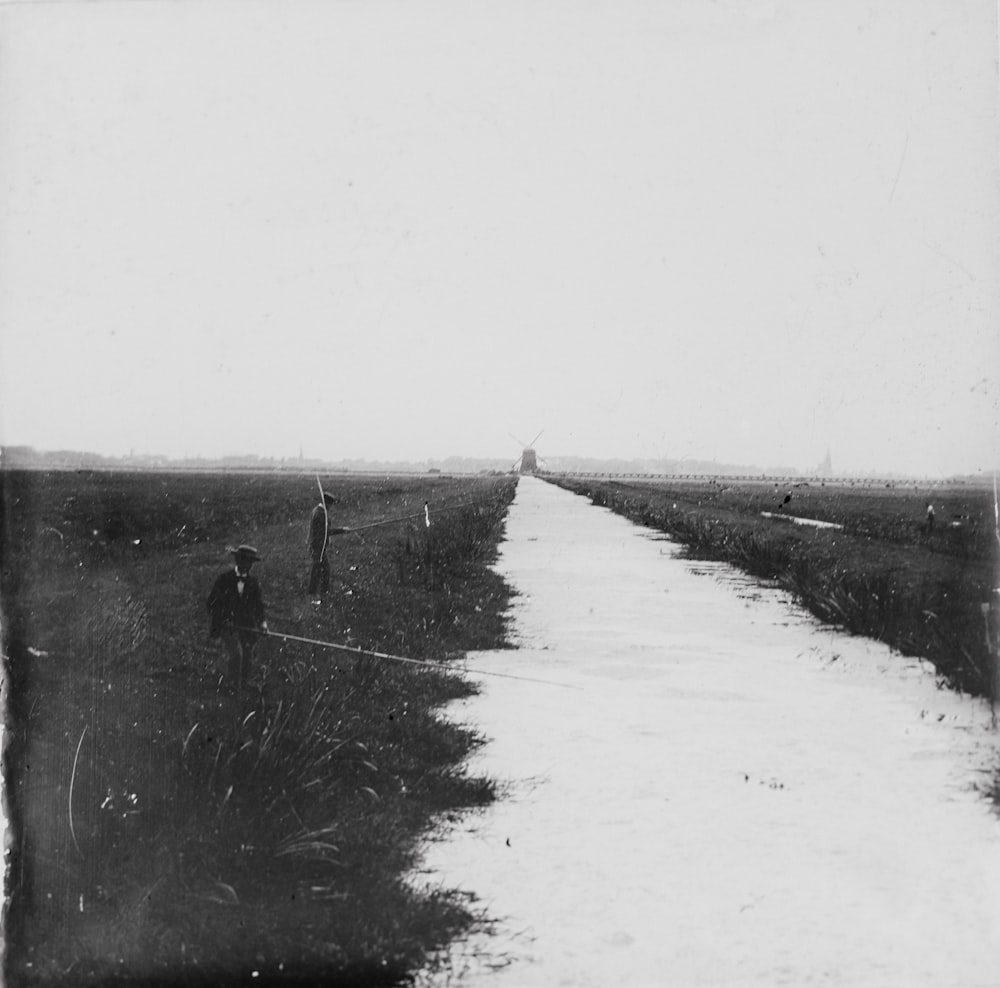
[(320, 531), (227, 607)]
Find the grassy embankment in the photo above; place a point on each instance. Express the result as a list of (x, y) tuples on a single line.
[(884, 574), (166, 832)]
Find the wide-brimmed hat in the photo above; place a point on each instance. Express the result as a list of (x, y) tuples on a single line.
[(246, 552)]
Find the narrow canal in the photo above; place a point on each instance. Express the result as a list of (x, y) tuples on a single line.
[(722, 793)]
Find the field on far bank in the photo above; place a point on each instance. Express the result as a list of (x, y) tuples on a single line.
[(164, 831), (884, 572)]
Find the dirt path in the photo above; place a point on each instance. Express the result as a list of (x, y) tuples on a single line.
[(733, 796)]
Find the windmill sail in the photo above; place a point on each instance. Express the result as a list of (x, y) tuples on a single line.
[(528, 462)]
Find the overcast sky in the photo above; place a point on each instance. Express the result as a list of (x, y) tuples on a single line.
[(728, 229)]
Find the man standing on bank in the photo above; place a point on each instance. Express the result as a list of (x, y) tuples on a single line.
[(320, 531), (236, 607)]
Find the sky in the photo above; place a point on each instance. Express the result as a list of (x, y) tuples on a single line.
[(738, 230)]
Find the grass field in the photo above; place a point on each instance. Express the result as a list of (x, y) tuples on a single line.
[(883, 572), (165, 831)]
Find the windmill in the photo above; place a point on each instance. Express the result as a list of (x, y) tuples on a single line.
[(528, 460)]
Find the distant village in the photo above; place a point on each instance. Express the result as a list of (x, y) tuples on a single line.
[(29, 458)]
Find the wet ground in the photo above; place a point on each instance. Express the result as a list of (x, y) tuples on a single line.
[(722, 793)]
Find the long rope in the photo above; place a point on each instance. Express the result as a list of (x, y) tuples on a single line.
[(425, 514), (418, 514), (402, 658)]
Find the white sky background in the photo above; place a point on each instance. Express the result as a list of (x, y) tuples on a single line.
[(405, 228)]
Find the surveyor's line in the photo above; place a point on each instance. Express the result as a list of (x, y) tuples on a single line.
[(402, 658), (418, 514)]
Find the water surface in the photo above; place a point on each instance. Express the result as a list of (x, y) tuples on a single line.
[(731, 795)]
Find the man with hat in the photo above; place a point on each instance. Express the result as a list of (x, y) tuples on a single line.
[(320, 531), (236, 607)]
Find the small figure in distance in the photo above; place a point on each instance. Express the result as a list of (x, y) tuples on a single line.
[(930, 518), (320, 531), (236, 608)]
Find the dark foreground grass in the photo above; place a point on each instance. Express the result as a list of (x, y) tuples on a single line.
[(166, 832), (884, 574)]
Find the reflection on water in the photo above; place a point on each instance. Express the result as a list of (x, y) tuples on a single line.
[(734, 794)]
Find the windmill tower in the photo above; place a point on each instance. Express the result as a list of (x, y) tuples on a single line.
[(528, 461)]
